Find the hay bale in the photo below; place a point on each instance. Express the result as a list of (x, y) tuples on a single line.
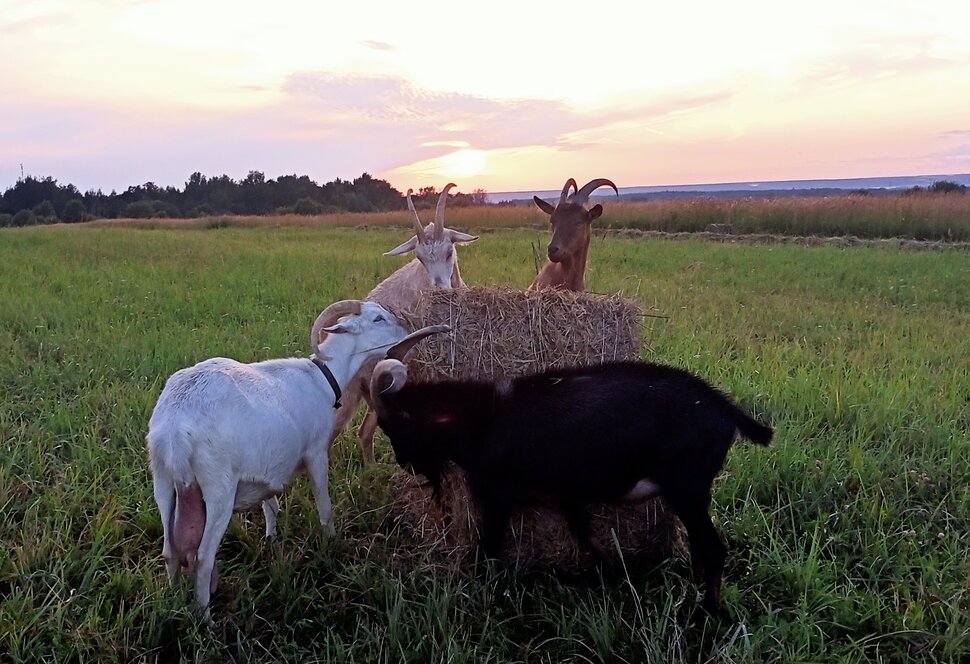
[(501, 333)]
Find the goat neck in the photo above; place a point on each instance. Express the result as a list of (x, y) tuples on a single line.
[(342, 357)]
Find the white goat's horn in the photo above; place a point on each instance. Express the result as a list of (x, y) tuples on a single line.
[(439, 213), (565, 190), (415, 221), (401, 348), (328, 317), (581, 196)]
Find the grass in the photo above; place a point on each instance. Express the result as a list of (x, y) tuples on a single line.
[(847, 538), (929, 217)]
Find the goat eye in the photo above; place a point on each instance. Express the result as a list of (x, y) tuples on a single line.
[(379, 319)]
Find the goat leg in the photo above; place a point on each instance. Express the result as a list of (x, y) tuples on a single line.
[(707, 551), (495, 521), (578, 519)]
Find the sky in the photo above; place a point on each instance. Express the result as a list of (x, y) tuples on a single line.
[(503, 96)]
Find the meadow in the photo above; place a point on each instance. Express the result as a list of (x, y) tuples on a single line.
[(847, 538), (925, 217)]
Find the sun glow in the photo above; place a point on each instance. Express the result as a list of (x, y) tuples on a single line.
[(462, 164)]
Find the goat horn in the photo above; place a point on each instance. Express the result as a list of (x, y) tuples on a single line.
[(439, 213), (399, 350), (328, 317), (581, 196), (415, 221), (565, 190)]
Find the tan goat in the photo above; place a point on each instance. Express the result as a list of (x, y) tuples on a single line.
[(571, 230)]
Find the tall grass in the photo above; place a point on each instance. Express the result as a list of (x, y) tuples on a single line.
[(920, 217), (847, 538), (939, 217)]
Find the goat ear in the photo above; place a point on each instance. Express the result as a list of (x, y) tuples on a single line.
[(542, 205), (384, 381), (595, 212), (404, 247), (458, 236), (339, 328)]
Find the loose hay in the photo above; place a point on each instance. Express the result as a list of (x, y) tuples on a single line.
[(500, 333), (539, 537)]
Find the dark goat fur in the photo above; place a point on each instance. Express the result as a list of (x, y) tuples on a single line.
[(571, 437)]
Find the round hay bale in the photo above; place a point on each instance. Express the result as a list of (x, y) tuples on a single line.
[(539, 537), (502, 333)]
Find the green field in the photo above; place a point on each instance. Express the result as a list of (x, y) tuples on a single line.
[(847, 539)]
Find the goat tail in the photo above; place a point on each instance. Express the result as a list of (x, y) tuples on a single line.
[(170, 450), (752, 429), (171, 453)]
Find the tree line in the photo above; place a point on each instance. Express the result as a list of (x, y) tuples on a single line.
[(34, 200)]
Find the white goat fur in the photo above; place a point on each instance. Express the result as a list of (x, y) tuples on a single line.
[(436, 266), (240, 432)]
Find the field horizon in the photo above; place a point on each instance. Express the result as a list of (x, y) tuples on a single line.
[(939, 218)]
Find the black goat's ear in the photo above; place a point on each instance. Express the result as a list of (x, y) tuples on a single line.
[(384, 381), (595, 212), (542, 205)]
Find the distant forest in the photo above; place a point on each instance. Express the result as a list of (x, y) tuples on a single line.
[(35, 200)]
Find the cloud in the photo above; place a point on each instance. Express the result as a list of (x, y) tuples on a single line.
[(878, 58), (377, 45), (324, 125), (955, 152), (439, 119), (395, 100), (20, 26), (446, 144), (954, 133)]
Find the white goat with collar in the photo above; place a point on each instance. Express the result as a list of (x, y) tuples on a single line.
[(226, 436), (435, 266)]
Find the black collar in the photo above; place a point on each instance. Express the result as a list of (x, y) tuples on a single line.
[(330, 379)]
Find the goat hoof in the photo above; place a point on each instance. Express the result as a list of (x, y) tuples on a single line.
[(712, 609)]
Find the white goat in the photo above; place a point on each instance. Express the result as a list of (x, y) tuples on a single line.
[(435, 266), (225, 436)]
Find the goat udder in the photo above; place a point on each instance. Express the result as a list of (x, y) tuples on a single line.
[(641, 491), (188, 523)]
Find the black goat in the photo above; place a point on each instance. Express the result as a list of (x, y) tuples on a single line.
[(622, 431)]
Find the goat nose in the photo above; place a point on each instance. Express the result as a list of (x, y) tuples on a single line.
[(554, 253)]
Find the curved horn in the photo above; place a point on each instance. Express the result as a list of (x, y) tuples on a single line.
[(401, 348), (439, 213), (581, 196), (415, 221), (329, 316), (565, 190), (392, 375)]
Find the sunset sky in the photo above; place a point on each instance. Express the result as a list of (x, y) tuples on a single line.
[(500, 95)]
